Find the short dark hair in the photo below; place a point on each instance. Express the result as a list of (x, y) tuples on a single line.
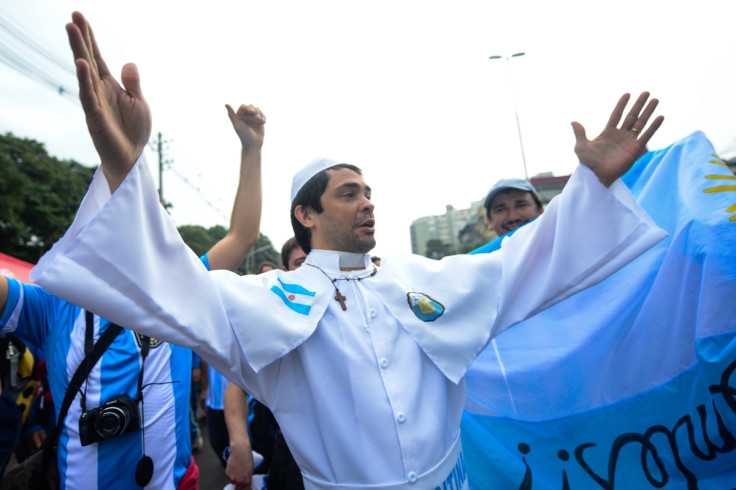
[(286, 249), (508, 191), (266, 263), (310, 196)]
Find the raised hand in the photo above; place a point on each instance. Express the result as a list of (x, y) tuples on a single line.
[(245, 221), (613, 152), (118, 119), (249, 123)]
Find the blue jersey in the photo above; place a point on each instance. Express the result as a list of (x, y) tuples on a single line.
[(217, 382), (216, 390), (58, 328)]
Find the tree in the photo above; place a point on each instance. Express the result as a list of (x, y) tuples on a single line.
[(197, 238), (39, 196), (436, 249), (262, 252), (469, 237), (201, 239)]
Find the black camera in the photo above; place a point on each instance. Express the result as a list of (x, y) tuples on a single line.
[(117, 416)]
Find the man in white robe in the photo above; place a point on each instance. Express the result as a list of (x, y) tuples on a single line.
[(362, 367)]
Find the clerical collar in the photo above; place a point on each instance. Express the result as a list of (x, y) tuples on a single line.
[(330, 262), (347, 260)]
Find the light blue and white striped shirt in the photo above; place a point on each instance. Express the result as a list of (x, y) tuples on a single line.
[(58, 327)]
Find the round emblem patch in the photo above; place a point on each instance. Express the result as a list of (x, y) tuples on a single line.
[(424, 307)]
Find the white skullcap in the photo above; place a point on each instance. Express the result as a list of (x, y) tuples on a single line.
[(310, 170)]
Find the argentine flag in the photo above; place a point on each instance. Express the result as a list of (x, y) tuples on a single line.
[(630, 384), (294, 296)]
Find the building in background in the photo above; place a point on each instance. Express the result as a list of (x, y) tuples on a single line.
[(437, 236), (462, 230), (548, 186)]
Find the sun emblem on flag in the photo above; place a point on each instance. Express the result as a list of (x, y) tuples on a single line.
[(424, 307), (728, 186)]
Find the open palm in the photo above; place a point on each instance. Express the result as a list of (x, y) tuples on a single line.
[(118, 119), (613, 152)]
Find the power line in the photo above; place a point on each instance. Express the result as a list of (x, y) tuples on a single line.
[(36, 74), (26, 39), (159, 145), (196, 189), (198, 183), (27, 56), (24, 54)]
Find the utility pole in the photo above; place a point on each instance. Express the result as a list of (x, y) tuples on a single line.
[(158, 144), (513, 100)]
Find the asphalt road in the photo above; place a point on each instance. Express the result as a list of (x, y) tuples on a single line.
[(211, 473)]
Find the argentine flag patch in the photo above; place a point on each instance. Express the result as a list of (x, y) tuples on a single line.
[(294, 296)]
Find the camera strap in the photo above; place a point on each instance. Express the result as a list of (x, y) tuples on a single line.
[(92, 355), (144, 468), (145, 347)]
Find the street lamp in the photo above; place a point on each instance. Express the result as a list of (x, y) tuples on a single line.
[(513, 100)]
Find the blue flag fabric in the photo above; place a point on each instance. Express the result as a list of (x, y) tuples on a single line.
[(630, 384)]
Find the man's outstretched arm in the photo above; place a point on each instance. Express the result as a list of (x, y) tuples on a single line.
[(613, 152), (245, 221), (118, 118), (566, 249)]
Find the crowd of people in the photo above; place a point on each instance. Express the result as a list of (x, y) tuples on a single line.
[(334, 369), (237, 425)]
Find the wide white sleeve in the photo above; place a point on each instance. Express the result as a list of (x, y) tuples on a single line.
[(586, 234), (124, 260)]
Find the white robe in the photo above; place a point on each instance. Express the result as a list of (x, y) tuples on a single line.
[(368, 396)]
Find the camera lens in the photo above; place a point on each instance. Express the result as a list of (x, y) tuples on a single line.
[(111, 422)]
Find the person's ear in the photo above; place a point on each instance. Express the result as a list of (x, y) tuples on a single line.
[(305, 216)]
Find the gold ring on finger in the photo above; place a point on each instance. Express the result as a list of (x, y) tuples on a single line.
[(634, 130)]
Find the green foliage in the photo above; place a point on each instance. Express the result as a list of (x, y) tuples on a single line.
[(201, 239), (39, 196), (197, 238), (436, 249), (263, 252), (471, 236), (217, 232)]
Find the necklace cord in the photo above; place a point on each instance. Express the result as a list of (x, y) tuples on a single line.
[(338, 295)]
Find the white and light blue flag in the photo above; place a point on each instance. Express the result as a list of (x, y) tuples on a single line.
[(630, 384)]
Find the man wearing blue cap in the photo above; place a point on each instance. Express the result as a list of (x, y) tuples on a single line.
[(510, 204)]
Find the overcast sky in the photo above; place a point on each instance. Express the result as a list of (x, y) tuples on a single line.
[(404, 90)]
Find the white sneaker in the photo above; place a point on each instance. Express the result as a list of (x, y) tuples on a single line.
[(197, 443)]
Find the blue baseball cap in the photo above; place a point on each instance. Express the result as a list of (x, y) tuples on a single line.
[(503, 184)]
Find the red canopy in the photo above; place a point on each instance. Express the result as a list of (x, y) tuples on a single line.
[(15, 268)]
